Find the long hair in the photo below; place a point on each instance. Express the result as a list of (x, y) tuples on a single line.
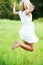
[(27, 4)]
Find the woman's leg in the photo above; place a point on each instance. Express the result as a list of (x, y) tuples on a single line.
[(27, 43), (26, 46)]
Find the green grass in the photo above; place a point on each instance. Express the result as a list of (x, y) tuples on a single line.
[(8, 34)]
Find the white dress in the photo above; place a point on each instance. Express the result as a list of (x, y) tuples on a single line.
[(27, 30)]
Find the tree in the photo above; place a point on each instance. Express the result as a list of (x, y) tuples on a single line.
[(38, 12), (6, 9)]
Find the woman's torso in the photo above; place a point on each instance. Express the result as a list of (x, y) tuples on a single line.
[(25, 19)]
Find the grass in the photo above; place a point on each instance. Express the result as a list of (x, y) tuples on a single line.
[(8, 34)]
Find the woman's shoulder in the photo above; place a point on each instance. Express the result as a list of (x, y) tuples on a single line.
[(21, 12), (24, 12)]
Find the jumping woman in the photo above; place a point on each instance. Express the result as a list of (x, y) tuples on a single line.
[(26, 32)]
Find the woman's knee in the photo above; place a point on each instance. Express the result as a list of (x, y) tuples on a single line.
[(32, 49)]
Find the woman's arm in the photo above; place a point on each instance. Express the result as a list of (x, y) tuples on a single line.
[(15, 12), (30, 9), (14, 9)]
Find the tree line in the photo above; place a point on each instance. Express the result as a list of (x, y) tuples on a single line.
[(6, 9)]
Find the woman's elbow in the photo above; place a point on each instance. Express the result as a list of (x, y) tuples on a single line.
[(13, 12)]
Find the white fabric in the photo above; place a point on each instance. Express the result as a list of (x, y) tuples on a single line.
[(27, 30)]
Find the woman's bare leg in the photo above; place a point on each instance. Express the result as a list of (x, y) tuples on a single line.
[(26, 46), (27, 43)]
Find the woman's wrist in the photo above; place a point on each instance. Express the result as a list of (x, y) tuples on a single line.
[(13, 8)]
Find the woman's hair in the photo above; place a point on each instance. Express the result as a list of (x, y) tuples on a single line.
[(21, 4), (25, 4)]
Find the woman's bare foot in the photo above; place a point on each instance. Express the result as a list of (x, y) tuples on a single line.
[(15, 45)]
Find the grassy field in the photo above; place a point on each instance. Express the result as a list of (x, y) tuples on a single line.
[(8, 34)]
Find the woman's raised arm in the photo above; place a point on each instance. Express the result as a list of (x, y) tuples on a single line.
[(14, 10), (30, 9)]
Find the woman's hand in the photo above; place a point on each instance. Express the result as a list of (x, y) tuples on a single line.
[(31, 8), (14, 4)]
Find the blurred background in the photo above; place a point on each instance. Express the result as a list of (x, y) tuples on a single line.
[(6, 9), (9, 27)]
